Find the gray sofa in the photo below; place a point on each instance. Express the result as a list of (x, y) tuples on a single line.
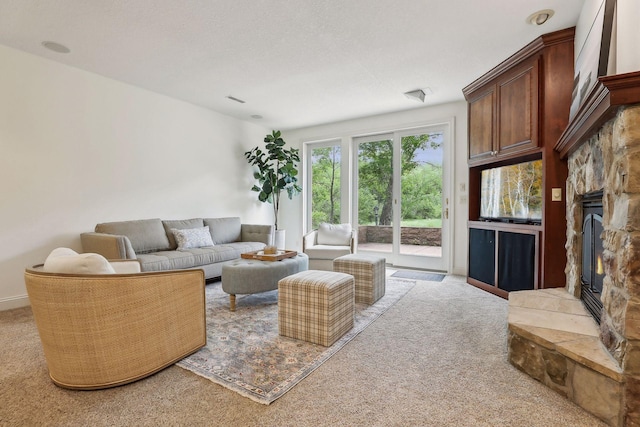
[(153, 243)]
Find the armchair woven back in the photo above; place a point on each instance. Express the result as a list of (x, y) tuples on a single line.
[(100, 331)]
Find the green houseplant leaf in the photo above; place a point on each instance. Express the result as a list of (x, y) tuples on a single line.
[(276, 171)]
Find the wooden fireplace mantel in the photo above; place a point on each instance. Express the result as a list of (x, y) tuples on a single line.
[(600, 106)]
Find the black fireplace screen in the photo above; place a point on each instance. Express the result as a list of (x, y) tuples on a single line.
[(592, 250)]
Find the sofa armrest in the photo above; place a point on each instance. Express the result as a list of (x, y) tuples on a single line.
[(257, 233), (309, 239), (110, 246)]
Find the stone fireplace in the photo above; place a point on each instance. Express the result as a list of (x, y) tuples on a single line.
[(552, 337)]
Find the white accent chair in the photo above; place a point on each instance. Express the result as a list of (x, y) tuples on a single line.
[(327, 243)]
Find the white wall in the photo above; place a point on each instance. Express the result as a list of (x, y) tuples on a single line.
[(628, 36), (291, 211), (79, 149)]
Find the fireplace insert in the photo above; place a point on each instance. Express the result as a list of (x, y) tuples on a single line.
[(592, 251)]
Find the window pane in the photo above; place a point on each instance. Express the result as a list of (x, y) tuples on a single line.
[(375, 194), (325, 187), (421, 189)]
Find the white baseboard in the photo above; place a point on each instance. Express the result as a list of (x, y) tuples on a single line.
[(459, 271), (14, 302)]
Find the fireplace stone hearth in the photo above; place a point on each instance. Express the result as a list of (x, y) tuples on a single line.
[(581, 362)]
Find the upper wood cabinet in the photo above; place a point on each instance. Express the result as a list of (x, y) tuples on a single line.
[(481, 125), (514, 109), (503, 115)]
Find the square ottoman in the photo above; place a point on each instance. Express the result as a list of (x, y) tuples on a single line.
[(316, 306), (369, 274)]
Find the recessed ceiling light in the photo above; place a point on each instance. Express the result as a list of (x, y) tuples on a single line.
[(233, 98), (256, 116), (540, 17), (56, 47)]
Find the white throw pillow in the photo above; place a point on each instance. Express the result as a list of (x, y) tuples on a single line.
[(334, 234), (68, 261), (188, 238)]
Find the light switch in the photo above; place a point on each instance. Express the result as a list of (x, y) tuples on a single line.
[(556, 194)]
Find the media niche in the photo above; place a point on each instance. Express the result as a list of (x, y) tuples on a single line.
[(512, 193)]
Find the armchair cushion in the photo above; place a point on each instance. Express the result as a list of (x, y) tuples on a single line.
[(189, 238), (68, 261), (327, 251), (334, 234)]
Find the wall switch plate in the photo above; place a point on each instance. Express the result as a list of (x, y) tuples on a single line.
[(556, 194)]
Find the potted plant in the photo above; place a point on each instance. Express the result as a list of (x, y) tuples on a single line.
[(277, 171)]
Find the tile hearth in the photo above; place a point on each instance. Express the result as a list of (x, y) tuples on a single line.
[(554, 339)]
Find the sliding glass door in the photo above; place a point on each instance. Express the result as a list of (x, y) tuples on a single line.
[(402, 203)]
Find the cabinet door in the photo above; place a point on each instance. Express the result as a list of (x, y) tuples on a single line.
[(517, 265), (481, 126), (482, 255), (518, 110)]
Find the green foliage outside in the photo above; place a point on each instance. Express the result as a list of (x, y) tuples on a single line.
[(421, 183), (325, 203)]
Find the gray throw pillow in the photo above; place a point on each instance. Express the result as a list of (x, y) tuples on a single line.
[(180, 224)]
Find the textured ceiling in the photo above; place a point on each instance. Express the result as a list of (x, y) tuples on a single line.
[(295, 62)]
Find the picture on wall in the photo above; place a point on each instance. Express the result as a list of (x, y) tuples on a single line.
[(593, 55)]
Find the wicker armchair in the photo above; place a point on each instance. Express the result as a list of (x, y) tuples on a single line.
[(105, 330)]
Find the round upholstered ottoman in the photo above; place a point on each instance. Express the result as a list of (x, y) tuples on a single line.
[(250, 276)]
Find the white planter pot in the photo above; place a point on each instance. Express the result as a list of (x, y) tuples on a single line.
[(279, 239)]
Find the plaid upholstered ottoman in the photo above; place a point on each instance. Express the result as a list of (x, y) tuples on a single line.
[(369, 274), (316, 306)]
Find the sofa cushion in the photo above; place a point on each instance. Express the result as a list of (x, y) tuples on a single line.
[(192, 237), (224, 230), (334, 234), (68, 261), (145, 235), (180, 224), (166, 260), (196, 257)]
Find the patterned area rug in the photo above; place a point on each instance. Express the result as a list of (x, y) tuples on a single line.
[(245, 353)]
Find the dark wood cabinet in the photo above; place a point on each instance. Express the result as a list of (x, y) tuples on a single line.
[(503, 116), (481, 129), (517, 112), (503, 257)]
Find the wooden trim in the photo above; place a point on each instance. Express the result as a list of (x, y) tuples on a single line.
[(505, 226), (494, 290), (610, 93), (531, 49)]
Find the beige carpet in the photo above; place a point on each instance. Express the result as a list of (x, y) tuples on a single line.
[(436, 358)]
